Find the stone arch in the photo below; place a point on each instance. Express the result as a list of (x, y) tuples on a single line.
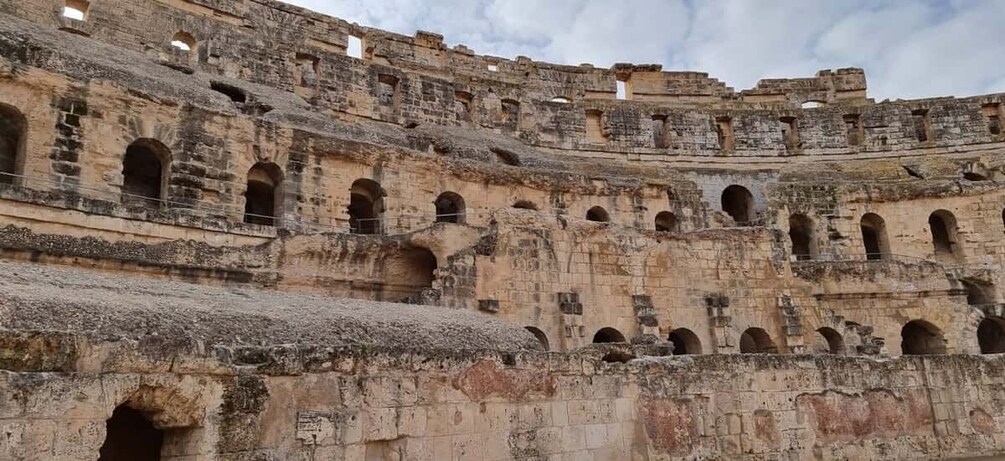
[(540, 335), (919, 337), (738, 203), (666, 222), (13, 136), (685, 342), (874, 239), (598, 214), (183, 41), (944, 229), (145, 172), (408, 274), (130, 436), (833, 342), (76, 9), (802, 236), (366, 204), (608, 335), (263, 195), (450, 208), (755, 340), (991, 335)]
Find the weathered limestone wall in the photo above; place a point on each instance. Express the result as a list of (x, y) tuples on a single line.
[(290, 403)]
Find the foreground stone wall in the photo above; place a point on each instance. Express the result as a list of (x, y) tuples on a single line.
[(308, 403)]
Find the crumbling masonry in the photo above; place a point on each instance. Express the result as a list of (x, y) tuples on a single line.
[(241, 230)]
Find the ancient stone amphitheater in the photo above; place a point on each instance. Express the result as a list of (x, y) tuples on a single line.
[(241, 230)]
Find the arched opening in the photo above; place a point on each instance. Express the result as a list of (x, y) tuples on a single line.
[(76, 9), (144, 175), (541, 337), (666, 222), (991, 335), (608, 335), (408, 274), (524, 205), (183, 41), (130, 436), (874, 237), (757, 341), (738, 203), (944, 235), (801, 234), (366, 203), (831, 342), (977, 293), (263, 195), (685, 342), (597, 214), (450, 208), (919, 337), (13, 130)]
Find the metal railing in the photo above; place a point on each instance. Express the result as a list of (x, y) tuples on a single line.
[(12, 184), (862, 257)]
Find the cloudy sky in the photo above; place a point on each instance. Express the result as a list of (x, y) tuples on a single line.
[(909, 48)]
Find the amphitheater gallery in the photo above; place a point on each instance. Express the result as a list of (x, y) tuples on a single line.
[(243, 230)]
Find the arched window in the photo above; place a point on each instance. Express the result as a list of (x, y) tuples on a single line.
[(738, 203), (991, 335), (608, 335), (919, 337), (183, 41), (130, 436), (830, 341), (524, 205), (944, 235), (366, 203), (874, 237), (450, 208), (801, 234), (666, 222), (757, 341), (263, 197), (685, 342), (76, 9), (13, 134), (597, 214), (144, 172), (541, 337)]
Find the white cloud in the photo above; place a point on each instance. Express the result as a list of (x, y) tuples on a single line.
[(921, 48)]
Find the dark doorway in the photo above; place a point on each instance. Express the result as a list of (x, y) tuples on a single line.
[(130, 436), (263, 194), (991, 335), (450, 208), (685, 342), (757, 341), (919, 337), (874, 237), (738, 203), (143, 179), (801, 234), (12, 137), (366, 203), (608, 335)]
